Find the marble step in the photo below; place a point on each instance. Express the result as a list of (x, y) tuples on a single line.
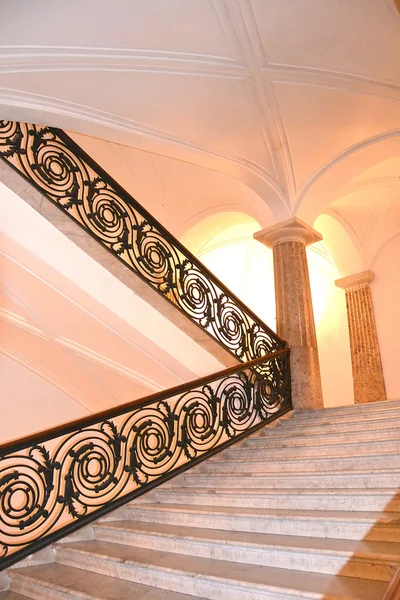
[(379, 426), (374, 526), (59, 582), (321, 499), (300, 420), (380, 407), (213, 579), (374, 463), (312, 447), (297, 418), (362, 559), (300, 480), (279, 435)]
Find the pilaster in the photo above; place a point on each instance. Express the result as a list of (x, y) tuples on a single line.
[(294, 310), (368, 381)]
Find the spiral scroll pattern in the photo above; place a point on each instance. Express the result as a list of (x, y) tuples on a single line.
[(51, 161), (47, 487)]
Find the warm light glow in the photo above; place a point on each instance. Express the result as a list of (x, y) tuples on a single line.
[(225, 244)]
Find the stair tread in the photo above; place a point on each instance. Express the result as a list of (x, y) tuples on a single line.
[(309, 460), (257, 578), (282, 445), (364, 424), (367, 516), (382, 550), (355, 472), (89, 585), (381, 407), (393, 492), (330, 419), (384, 456), (361, 434)]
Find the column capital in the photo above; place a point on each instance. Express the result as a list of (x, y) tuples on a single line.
[(292, 230), (355, 281)]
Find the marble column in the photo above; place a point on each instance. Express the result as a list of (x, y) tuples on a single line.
[(294, 310), (368, 381)]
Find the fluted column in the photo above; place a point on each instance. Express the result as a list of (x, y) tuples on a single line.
[(368, 381), (294, 310)]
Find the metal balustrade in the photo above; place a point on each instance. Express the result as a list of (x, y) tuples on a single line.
[(59, 480), (51, 161)]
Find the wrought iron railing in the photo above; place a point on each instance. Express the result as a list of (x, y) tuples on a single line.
[(51, 161), (57, 481)]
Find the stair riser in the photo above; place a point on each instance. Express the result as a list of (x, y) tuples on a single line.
[(320, 429), (35, 591), (297, 448), (371, 567), (358, 409), (332, 465), (311, 438), (290, 481), (321, 501), (198, 586), (300, 421), (278, 526)]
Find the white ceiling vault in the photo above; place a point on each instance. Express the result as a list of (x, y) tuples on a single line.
[(273, 107)]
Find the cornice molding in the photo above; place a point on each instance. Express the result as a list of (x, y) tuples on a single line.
[(352, 282), (365, 184), (386, 135), (109, 364), (83, 351), (48, 376), (334, 213), (292, 230), (244, 58), (153, 140), (348, 82)]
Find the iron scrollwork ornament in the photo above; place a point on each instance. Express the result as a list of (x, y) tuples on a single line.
[(54, 483), (71, 477), (50, 160)]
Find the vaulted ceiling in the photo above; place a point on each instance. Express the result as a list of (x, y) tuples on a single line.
[(272, 107)]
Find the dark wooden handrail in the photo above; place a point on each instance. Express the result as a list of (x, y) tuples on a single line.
[(48, 434)]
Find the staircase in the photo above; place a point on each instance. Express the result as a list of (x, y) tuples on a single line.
[(303, 510)]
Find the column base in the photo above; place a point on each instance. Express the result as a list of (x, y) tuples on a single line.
[(306, 378), (369, 387)]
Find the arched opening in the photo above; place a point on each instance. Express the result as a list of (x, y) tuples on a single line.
[(225, 244)]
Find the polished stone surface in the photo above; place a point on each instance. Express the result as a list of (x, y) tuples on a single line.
[(294, 310), (368, 380), (300, 510)]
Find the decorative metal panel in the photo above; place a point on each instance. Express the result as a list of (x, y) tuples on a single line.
[(51, 161)]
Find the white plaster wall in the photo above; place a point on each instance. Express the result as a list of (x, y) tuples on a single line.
[(228, 249), (29, 404), (332, 332), (385, 291)]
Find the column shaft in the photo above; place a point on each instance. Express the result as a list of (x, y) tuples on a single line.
[(295, 322), (294, 310), (368, 381)]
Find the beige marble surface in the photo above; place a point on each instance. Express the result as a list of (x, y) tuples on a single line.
[(314, 527), (294, 310), (368, 380)]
